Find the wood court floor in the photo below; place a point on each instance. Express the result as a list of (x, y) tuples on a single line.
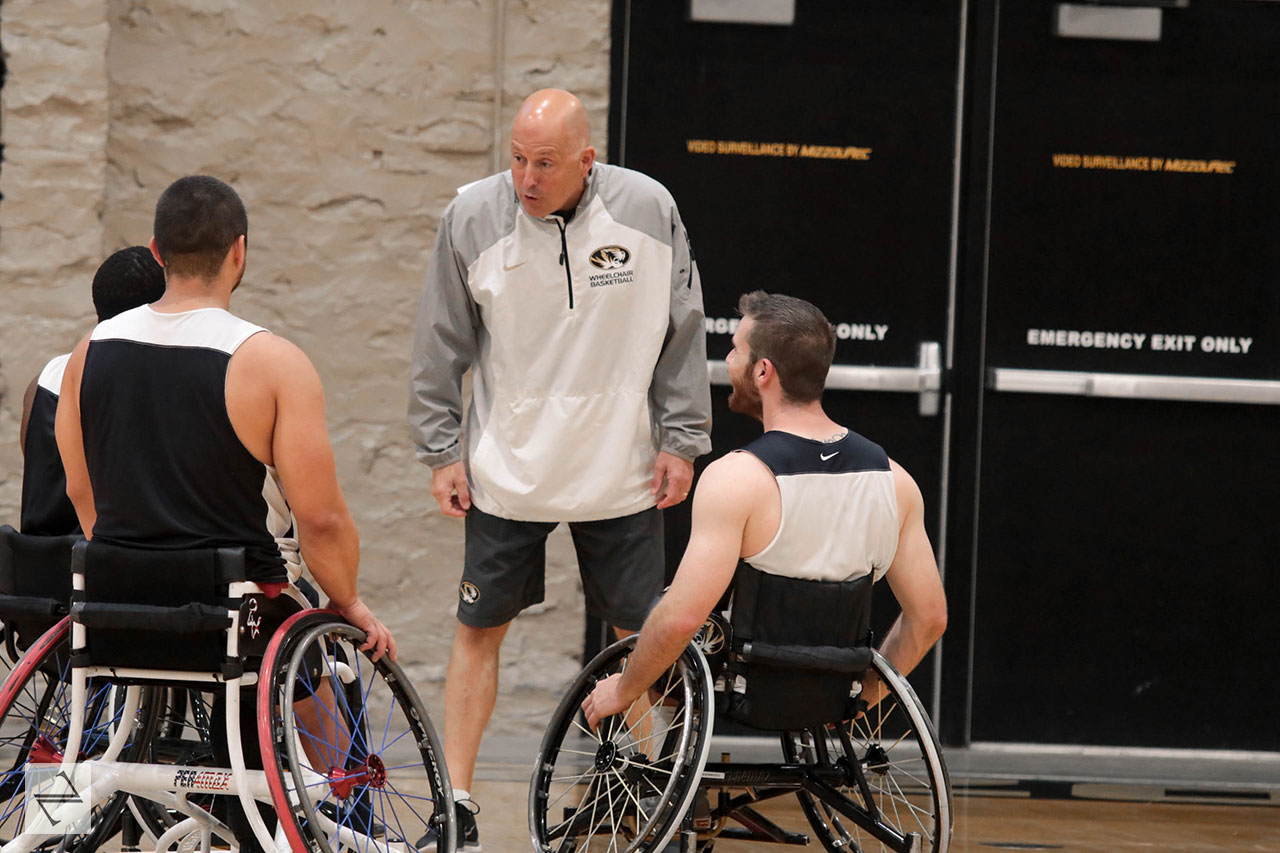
[(985, 823)]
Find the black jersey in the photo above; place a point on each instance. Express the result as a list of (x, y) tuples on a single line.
[(839, 507), (46, 509), (166, 466)]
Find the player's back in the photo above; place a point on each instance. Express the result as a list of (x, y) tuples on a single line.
[(165, 463), (839, 516)]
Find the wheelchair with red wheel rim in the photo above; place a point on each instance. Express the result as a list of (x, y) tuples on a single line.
[(219, 716)]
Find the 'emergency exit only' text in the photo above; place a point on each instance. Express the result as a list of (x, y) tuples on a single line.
[(1138, 340)]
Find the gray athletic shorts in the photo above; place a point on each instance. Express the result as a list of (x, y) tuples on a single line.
[(620, 561)]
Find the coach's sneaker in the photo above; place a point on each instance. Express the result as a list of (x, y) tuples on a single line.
[(468, 833)]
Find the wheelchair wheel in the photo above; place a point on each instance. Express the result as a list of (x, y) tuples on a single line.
[(625, 787), (897, 750), (35, 716), (351, 756)]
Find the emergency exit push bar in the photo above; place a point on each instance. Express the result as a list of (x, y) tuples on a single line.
[(1131, 386), (925, 379)]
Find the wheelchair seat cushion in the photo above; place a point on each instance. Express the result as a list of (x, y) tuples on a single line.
[(798, 647)]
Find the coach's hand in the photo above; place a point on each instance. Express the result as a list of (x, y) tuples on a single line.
[(449, 488), (379, 638), (678, 475)]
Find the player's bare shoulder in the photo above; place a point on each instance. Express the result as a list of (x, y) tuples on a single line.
[(269, 363), (268, 348), (736, 478), (910, 501), (269, 378)]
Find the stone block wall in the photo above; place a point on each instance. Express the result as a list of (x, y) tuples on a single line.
[(54, 130), (346, 127)]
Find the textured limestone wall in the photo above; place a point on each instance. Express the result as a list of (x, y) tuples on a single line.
[(346, 127), (53, 181)]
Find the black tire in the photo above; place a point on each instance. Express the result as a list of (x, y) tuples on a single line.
[(635, 777), (898, 751), (35, 709), (381, 773)]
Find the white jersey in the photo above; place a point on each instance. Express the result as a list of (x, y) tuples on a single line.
[(839, 508)]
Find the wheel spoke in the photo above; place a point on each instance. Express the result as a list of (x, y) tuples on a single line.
[(592, 826), (576, 779), (914, 810), (406, 798), (639, 809), (585, 730)]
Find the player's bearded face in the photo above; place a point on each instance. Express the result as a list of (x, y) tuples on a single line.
[(745, 397)]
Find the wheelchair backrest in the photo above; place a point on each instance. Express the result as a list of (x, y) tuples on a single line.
[(35, 583), (798, 645), (155, 609)]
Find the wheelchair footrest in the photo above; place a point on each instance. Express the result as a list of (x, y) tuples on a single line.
[(799, 839), (757, 827)]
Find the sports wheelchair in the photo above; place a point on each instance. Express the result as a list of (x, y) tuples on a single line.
[(791, 659), (112, 705)]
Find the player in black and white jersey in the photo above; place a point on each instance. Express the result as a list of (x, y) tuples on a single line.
[(182, 426), (808, 499), (127, 279)]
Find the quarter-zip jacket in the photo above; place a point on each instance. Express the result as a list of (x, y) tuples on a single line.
[(585, 342)]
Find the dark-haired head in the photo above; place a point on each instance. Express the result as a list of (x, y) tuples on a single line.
[(198, 220), (129, 278), (795, 336)]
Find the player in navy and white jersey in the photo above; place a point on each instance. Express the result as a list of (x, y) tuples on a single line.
[(808, 499), (127, 279)]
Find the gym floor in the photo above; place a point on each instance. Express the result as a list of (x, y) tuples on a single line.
[(1145, 803)]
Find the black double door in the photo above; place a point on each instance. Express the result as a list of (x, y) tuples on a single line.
[(1073, 350), (805, 161), (1126, 511)]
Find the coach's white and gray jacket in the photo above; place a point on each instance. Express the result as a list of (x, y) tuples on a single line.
[(586, 345)]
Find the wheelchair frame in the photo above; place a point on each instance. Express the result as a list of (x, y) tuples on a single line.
[(838, 794), (171, 786)]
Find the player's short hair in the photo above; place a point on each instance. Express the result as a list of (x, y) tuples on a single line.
[(198, 219), (129, 278), (795, 336)]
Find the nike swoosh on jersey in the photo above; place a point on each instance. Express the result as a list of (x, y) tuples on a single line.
[(825, 457), (506, 268)]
